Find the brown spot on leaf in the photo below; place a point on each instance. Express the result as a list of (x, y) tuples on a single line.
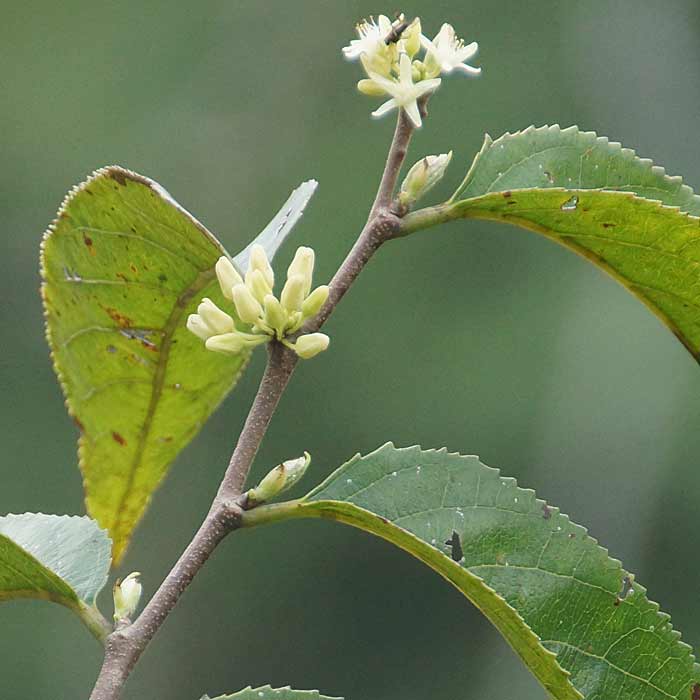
[(81, 427), (546, 511), (695, 692), (118, 438), (608, 225), (133, 267), (120, 319), (507, 195), (88, 242)]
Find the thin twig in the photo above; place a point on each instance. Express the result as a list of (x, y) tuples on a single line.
[(125, 645)]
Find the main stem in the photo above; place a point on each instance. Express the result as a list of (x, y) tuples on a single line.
[(126, 644)]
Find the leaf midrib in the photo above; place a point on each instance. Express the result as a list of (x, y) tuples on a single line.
[(174, 319)]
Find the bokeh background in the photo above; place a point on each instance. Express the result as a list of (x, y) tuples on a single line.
[(479, 337)]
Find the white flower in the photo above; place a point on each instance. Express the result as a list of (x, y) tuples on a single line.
[(404, 92), (371, 39), (446, 52)]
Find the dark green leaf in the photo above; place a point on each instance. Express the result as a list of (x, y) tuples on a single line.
[(575, 617)]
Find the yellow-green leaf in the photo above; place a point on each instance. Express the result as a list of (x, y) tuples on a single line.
[(123, 265)]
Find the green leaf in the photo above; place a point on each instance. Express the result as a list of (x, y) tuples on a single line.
[(574, 616), (551, 157), (123, 266), (577, 189), (64, 559), (268, 693)]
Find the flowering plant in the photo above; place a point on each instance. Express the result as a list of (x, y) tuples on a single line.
[(151, 322)]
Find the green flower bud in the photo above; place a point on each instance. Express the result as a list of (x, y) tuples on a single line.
[(259, 261), (294, 292), (307, 346), (247, 306), (422, 177), (127, 594), (275, 315), (313, 303), (294, 323), (217, 320), (279, 479), (227, 275)]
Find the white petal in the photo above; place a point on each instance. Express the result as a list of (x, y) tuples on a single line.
[(413, 114), (426, 86), (385, 108), (426, 43), (405, 69), (469, 70), (384, 25), (466, 52)]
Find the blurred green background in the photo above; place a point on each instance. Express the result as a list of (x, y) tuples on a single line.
[(478, 337)]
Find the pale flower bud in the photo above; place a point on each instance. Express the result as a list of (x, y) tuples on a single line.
[(279, 479), (247, 306), (256, 282), (411, 38), (259, 261), (127, 594), (227, 275), (275, 315), (217, 320), (422, 177), (307, 346), (370, 87), (294, 322), (196, 325), (294, 292), (303, 264), (227, 343), (313, 303)]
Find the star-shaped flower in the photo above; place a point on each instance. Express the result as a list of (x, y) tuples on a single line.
[(446, 53), (372, 35), (404, 92)]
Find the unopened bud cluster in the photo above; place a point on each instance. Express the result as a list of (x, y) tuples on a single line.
[(258, 315), (389, 53)]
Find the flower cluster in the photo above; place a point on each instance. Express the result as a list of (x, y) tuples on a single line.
[(388, 53), (258, 315)]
